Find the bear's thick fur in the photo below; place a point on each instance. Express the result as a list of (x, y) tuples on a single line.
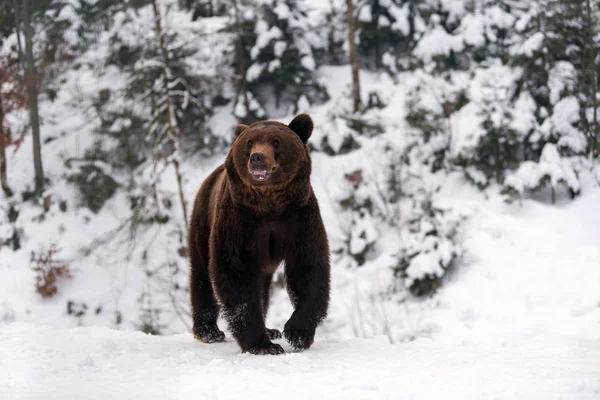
[(253, 212)]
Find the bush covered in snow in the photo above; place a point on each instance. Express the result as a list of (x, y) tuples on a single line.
[(390, 199), (429, 245), (550, 171)]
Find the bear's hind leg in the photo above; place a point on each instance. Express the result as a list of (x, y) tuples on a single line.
[(204, 306)]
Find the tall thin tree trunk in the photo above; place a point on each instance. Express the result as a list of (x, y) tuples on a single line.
[(3, 144), (3, 177), (18, 32), (353, 55), (591, 52), (242, 85), (180, 190), (32, 91), (174, 132)]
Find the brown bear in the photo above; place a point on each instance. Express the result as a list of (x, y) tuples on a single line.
[(252, 213)]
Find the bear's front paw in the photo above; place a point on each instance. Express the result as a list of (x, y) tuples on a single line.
[(299, 337), (266, 348), (210, 334), (273, 334)]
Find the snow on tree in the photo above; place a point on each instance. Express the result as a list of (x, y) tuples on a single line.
[(550, 171), (275, 52), (13, 98), (429, 245), (391, 198)]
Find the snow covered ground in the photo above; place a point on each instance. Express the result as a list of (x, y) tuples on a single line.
[(531, 275), (99, 363), (520, 320)]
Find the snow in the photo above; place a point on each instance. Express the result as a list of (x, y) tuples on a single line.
[(383, 21), (472, 28), (364, 14), (561, 77), (264, 37), (254, 71), (401, 15), (551, 166), (99, 363), (282, 10), (532, 45), (562, 121), (279, 47), (308, 62), (534, 273), (437, 42)]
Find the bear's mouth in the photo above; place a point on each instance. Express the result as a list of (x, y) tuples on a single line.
[(259, 174)]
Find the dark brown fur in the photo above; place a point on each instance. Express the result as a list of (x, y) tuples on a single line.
[(242, 229)]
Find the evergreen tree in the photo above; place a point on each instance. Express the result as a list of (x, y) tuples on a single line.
[(275, 51), (384, 28), (353, 55), (556, 52), (497, 149), (31, 81)]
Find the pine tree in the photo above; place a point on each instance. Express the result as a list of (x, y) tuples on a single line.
[(576, 29), (247, 109), (497, 150), (275, 51), (383, 29), (389, 31), (559, 66), (31, 80), (353, 55)]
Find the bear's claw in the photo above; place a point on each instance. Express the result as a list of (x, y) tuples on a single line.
[(273, 334), (209, 335), (267, 348), (299, 339)]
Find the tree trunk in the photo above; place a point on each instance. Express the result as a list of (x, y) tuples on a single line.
[(174, 132), (18, 32), (3, 177), (242, 85), (589, 33), (32, 91), (3, 143), (353, 55)]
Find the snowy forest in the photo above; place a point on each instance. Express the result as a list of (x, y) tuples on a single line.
[(456, 161)]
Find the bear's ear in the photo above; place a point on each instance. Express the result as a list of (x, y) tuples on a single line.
[(303, 126), (239, 129)]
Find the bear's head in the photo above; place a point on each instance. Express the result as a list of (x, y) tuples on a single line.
[(271, 154)]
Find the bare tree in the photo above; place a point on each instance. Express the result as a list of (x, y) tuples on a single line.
[(18, 32), (353, 55), (4, 139), (590, 70), (173, 131), (32, 91), (12, 97)]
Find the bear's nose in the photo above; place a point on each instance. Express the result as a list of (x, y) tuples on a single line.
[(257, 157)]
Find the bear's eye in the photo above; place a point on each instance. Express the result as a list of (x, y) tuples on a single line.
[(249, 143), (275, 143)]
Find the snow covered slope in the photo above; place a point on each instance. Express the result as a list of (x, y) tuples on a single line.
[(99, 363), (531, 275)]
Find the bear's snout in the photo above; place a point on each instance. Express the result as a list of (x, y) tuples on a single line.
[(260, 168), (257, 158)]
